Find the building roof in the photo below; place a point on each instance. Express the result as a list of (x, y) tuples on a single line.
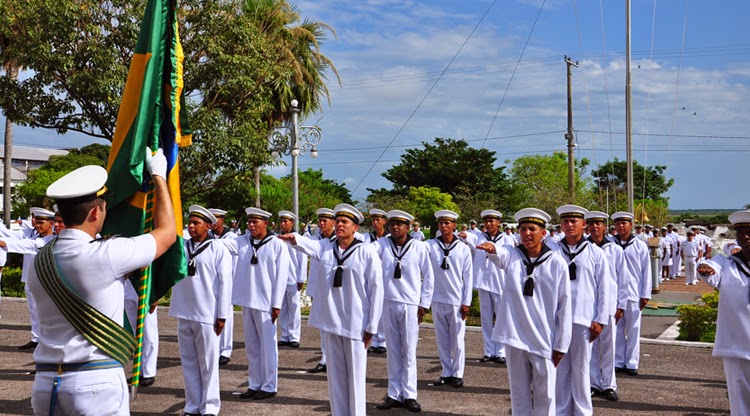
[(32, 153)]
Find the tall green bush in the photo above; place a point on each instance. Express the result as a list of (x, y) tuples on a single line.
[(698, 322)]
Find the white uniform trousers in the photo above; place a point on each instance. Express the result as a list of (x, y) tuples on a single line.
[(226, 340), (378, 339), (199, 347), (489, 302), (449, 331), (346, 375), (674, 270), (737, 371), (691, 271), (150, 349), (602, 367), (262, 351), (527, 371), (573, 387), (323, 347), (628, 340), (402, 330), (32, 313), (290, 317), (95, 393)]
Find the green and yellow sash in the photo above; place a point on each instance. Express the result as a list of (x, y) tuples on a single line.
[(97, 328)]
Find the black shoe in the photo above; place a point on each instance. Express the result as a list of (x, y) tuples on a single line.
[(457, 383), (262, 395), (389, 403), (371, 349), (380, 350), (283, 343), (412, 405), (208, 414), (595, 392), (611, 395), (486, 358), (619, 369), (28, 346), (147, 381), (499, 360), (191, 414), (442, 381), (223, 360), (320, 368), (249, 394), (294, 344), (631, 372)]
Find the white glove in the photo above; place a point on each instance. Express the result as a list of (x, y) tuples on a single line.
[(156, 163)]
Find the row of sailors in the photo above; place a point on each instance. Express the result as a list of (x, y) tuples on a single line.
[(555, 300)]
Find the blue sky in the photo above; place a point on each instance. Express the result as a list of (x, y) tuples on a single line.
[(690, 75)]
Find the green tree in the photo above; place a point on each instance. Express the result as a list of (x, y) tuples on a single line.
[(420, 201), (541, 181), (33, 191), (610, 183)]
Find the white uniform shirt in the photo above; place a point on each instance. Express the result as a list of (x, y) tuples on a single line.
[(665, 247), (540, 323), (416, 285), (355, 307), (618, 278), (28, 246), (417, 235), (206, 296), (690, 249), (297, 266), (452, 286), (95, 271), (316, 268), (637, 268), (371, 237), (487, 276), (733, 323), (259, 286)]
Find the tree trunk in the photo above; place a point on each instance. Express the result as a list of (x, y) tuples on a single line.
[(12, 71), (257, 186)]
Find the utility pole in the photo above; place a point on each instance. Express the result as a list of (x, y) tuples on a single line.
[(569, 134), (628, 110)]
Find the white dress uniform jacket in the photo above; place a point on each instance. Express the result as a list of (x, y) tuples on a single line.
[(259, 286), (227, 335), (638, 275), (290, 319)]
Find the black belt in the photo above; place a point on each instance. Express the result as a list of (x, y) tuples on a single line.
[(71, 367)]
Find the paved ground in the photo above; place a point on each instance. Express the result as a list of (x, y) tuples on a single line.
[(674, 380)]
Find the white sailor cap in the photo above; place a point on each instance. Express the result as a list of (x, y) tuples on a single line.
[(670, 225), (663, 228), (648, 226), (218, 213), (622, 216), (445, 214), (324, 213), (694, 228), (690, 232), (204, 214), (492, 214), (378, 213), (637, 226), (473, 222), (571, 211), (82, 185), (42, 214), (287, 214), (595, 216), (258, 213), (350, 212), (532, 215), (400, 216), (740, 219)]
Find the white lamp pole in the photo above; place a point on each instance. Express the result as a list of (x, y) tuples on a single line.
[(294, 140)]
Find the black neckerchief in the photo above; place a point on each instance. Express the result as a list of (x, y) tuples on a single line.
[(399, 252), (446, 250), (544, 254), (604, 242), (256, 247), (374, 237), (579, 248), (627, 242), (193, 252), (494, 239), (331, 238), (338, 277)]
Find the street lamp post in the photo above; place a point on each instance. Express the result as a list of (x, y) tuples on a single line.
[(294, 140)]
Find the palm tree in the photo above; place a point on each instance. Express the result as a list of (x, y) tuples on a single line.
[(11, 70)]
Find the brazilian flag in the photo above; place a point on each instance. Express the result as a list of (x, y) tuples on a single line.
[(152, 114)]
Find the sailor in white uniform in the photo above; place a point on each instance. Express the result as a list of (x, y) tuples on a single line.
[(665, 255), (638, 270), (409, 283), (71, 362), (259, 283), (536, 318), (731, 275), (590, 286), (674, 267), (28, 243), (352, 286), (451, 264), (691, 252), (602, 366), (488, 280), (201, 304), (416, 233), (226, 339), (379, 221), (325, 231), (150, 341), (290, 319)]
